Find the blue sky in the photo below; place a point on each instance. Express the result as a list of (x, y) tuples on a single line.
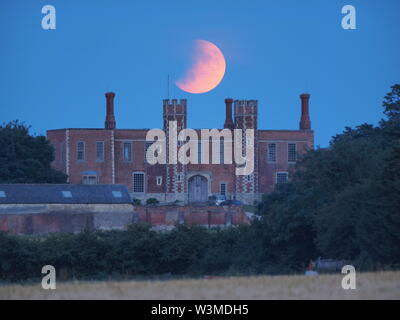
[(274, 51)]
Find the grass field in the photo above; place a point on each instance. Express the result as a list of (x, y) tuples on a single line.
[(379, 285)]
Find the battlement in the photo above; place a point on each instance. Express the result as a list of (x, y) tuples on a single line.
[(173, 108), (175, 111), (245, 114), (174, 102), (246, 103), (245, 107)]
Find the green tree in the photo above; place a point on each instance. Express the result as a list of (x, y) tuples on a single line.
[(25, 158), (391, 103), (343, 201)]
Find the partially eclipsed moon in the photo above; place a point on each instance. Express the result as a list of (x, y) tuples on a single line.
[(206, 71)]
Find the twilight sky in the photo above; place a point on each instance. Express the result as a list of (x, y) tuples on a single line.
[(274, 50)]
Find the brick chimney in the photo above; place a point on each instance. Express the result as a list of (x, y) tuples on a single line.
[(110, 119), (228, 120), (305, 123)]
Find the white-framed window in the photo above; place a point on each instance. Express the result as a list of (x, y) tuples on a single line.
[(90, 179), (222, 189), (159, 180), (179, 177), (221, 151), (99, 151), (281, 177), (80, 151), (138, 182), (292, 152), (272, 152), (127, 151)]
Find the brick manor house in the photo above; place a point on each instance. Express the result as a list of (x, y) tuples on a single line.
[(117, 156)]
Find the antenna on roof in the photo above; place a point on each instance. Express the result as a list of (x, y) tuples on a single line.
[(168, 87)]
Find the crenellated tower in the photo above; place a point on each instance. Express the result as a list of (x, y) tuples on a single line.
[(174, 111), (245, 117)]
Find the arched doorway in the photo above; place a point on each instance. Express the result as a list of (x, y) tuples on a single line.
[(198, 189)]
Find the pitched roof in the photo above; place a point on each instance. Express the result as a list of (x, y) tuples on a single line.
[(63, 193)]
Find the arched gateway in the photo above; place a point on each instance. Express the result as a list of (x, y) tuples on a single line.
[(198, 189)]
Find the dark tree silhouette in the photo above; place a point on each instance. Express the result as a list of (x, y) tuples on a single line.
[(25, 158)]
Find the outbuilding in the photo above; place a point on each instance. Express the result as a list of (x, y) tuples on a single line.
[(44, 208)]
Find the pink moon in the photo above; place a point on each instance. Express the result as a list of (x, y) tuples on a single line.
[(207, 69)]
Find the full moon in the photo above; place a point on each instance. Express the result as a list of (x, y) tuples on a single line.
[(207, 68)]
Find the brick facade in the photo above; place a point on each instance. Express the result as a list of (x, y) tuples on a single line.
[(77, 153)]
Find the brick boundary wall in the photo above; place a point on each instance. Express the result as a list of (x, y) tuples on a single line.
[(42, 219), (161, 217)]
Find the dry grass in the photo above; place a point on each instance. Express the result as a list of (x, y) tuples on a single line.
[(379, 285)]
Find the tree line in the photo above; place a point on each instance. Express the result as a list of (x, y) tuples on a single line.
[(343, 202)]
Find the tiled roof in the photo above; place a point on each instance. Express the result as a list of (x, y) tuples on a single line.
[(63, 193)]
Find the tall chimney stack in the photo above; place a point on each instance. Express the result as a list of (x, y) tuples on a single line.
[(110, 119), (228, 120), (305, 123)]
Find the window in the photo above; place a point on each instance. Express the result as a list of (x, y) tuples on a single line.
[(248, 177), (127, 151), (281, 177), (100, 151), (222, 189), (272, 152), (159, 180), (2, 194), (292, 152), (89, 179), (138, 182), (199, 152), (178, 177), (80, 151), (221, 152), (66, 194), (117, 194)]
